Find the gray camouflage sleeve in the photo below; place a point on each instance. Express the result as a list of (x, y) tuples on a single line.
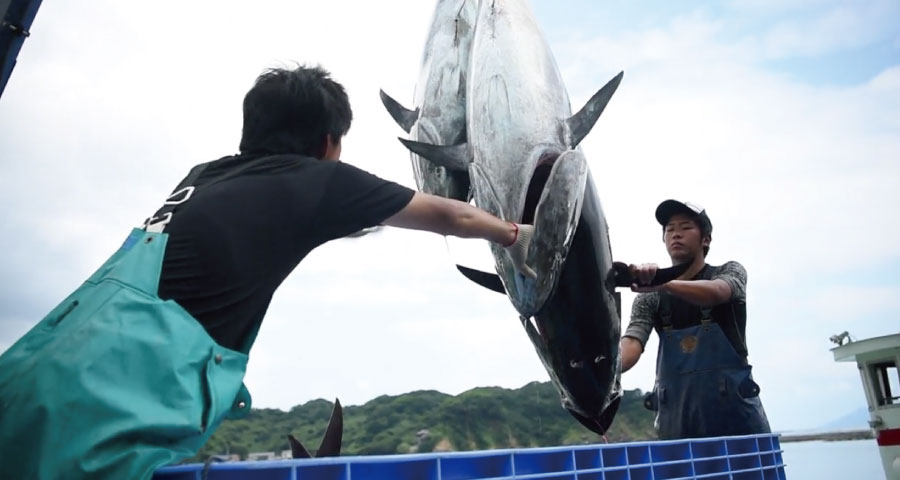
[(735, 275), (642, 312)]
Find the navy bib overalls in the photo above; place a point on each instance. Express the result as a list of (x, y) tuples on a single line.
[(704, 387)]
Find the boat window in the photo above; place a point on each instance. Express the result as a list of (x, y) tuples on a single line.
[(886, 380)]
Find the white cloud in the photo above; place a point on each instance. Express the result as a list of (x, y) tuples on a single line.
[(835, 28)]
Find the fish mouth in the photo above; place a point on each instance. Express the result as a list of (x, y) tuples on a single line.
[(536, 186), (597, 423)]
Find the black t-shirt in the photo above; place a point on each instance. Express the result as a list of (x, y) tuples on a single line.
[(248, 224)]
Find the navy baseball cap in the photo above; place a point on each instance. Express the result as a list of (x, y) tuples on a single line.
[(668, 208)]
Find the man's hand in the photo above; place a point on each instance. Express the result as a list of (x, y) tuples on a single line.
[(518, 249), (643, 275)]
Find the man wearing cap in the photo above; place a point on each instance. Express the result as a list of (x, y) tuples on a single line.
[(704, 386)]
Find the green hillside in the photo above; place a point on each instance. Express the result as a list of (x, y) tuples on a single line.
[(425, 421)]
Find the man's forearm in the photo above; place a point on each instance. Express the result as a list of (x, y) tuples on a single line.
[(705, 293), (471, 222), (452, 217), (631, 352)]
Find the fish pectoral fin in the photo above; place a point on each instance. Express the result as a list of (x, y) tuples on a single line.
[(663, 275), (297, 448), (582, 122), (331, 442), (490, 281), (404, 117), (451, 157)]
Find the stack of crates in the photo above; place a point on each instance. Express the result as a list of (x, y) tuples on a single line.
[(755, 457)]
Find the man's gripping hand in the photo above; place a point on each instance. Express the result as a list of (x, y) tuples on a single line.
[(518, 249)]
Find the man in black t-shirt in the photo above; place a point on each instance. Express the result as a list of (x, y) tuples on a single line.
[(139, 365), (256, 215), (704, 386)]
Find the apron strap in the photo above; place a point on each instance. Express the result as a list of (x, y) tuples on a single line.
[(706, 312), (706, 316), (665, 306), (708, 275), (665, 311)]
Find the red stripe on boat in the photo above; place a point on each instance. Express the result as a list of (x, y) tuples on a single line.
[(889, 438)]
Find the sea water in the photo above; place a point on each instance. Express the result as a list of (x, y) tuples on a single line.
[(844, 460)]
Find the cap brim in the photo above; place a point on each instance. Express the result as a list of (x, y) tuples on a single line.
[(668, 208)]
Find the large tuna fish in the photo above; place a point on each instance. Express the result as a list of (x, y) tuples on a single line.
[(524, 164), (439, 115), (523, 158)]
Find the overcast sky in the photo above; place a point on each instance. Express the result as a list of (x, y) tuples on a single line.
[(781, 117)]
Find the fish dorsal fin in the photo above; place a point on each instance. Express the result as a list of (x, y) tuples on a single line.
[(404, 117), (297, 448), (331, 442), (582, 122), (451, 157)]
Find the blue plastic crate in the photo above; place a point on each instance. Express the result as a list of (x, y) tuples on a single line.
[(756, 457)]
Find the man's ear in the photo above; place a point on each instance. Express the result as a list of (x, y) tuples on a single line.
[(706, 240)]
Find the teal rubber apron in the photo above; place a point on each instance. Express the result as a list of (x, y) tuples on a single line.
[(115, 382)]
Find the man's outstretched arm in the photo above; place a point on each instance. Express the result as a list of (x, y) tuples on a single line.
[(452, 217), (705, 293)]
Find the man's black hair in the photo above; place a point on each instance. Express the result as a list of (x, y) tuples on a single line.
[(293, 110)]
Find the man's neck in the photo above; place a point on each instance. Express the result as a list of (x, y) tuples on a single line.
[(697, 265)]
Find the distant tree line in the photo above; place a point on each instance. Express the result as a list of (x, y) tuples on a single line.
[(425, 421)]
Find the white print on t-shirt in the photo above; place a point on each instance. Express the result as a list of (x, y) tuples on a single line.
[(157, 223)]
